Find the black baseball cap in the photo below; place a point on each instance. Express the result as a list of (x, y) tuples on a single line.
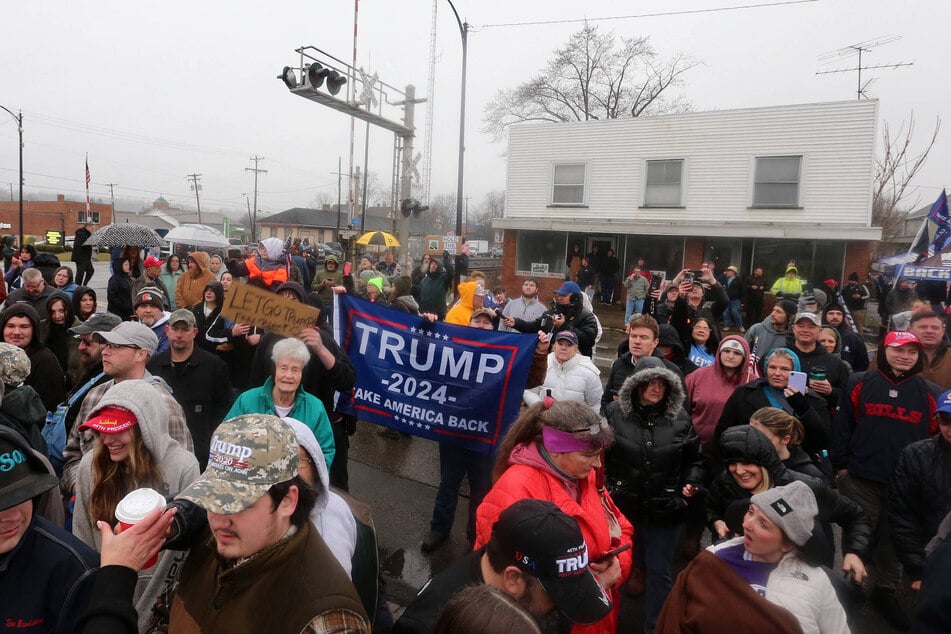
[(23, 475), (546, 543)]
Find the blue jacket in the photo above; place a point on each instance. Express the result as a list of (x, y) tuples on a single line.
[(307, 409), (45, 581)]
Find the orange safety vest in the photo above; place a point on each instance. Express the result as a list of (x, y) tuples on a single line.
[(275, 276)]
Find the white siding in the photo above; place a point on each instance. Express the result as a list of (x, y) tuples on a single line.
[(836, 141)]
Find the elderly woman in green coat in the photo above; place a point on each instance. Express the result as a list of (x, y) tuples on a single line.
[(282, 395)]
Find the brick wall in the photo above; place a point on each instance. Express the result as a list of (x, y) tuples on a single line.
[(49, 215), (858, 257)]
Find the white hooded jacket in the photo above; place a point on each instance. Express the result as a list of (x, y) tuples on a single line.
[(577, 379), (331, 515)]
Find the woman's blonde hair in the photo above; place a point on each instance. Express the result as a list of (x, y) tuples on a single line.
[(112, 480)]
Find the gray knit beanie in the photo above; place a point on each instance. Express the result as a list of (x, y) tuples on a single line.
[(792, 508)]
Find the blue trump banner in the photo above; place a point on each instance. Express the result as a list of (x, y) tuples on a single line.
[(436, 380)]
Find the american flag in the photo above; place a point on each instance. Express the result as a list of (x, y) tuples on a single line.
[(87, 186)]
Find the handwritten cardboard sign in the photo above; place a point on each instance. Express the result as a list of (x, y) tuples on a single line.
[(246, 304)]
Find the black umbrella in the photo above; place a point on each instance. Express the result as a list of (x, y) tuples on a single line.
[(125, 234)]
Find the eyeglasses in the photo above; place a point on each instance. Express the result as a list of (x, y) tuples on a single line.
[(115, 346), (86, 341)]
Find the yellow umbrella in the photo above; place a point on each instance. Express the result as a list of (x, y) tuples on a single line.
[(378, 238)]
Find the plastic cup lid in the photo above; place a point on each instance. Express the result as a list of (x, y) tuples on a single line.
[(136, 505)]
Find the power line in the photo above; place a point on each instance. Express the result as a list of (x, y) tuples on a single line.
[(649, 15)]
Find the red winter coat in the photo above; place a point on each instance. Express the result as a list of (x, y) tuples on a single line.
[(523, 481)]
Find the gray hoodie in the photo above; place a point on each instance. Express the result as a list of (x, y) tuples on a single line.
[(763, 338), (179, 469)]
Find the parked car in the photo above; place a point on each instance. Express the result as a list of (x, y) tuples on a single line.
[(333, 248)]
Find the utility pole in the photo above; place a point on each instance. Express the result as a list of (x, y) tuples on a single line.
[(340, 175), (406, 177), (196, 187), (112, 195), (250, 219), (254, 219)]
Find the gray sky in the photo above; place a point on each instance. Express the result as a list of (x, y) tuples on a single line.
[(156, 90)]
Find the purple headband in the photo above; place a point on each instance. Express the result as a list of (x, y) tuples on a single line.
[(557, 441)]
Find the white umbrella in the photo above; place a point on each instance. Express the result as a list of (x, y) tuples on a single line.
[(197, 235)]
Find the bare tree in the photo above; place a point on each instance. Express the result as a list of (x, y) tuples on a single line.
[(592, 77), (895, 169)]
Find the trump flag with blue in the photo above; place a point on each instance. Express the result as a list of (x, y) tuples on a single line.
[(436, 380), (939, 215)]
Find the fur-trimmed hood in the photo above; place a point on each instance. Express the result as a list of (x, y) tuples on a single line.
[(648, 369)]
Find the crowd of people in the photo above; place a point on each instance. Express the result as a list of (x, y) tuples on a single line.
[(762, 439)]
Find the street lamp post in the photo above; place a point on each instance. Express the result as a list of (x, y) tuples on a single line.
[(19, 120), (464, 33)]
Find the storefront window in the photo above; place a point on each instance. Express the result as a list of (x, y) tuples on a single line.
[(541, 253), (817, 260), (660, 253)]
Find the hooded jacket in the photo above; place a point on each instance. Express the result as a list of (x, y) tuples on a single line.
[(119, 293), (433, 287), (331, 515), (462, 311), (46, 377), (789, 288), (879, 415), (213, 329), (708, 390), (76, 300), (178, 466), (656, 450), (336, 277), (22, 411), (668, 337), (764, 338), (577, 379), (728, 501), (191, 284), (809, 408)]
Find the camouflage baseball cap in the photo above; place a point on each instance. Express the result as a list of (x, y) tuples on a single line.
[(14, 364), (248, 455)]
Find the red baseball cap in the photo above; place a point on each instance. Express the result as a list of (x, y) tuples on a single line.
[(898, 338), (110, 420), (152, 261)]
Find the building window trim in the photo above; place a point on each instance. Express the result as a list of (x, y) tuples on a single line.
[(553, 201), (756, 180), (82, 218)]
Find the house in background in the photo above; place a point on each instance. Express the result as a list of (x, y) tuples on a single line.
[(750, 187), (161, 215)]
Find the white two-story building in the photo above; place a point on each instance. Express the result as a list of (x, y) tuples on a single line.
[(752, 187)]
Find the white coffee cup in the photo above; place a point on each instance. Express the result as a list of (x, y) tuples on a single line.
[(133, 508)]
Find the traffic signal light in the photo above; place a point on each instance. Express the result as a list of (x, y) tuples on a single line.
[(411, 206), (335, 82), (289, 77)]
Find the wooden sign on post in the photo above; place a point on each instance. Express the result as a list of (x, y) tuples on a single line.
[(246, 304)]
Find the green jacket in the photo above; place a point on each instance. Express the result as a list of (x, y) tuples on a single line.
[(307, 409)]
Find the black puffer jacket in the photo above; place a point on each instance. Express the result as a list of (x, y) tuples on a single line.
[(749, 445), (919, 497), (656, 451)]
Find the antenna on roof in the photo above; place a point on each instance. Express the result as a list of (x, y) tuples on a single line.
[(858, 49)]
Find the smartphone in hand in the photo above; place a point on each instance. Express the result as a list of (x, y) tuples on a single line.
[(798, 381)]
